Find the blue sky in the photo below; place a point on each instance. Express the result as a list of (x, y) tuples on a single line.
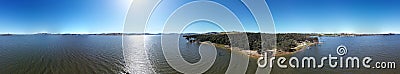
[(62, 16), (352, 16), (293, 16)]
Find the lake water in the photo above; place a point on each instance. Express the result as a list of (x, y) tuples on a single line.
[(88, 54), (56, 54)]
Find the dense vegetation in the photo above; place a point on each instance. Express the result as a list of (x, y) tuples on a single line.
[(283, 41), (290, 40)]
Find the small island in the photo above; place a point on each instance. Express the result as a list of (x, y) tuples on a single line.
[(6, 34)]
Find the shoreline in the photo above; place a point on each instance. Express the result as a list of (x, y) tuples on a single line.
[(254, 54), (297, 48), (250, 53)]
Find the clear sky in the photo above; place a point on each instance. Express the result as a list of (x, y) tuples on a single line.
[(62, 16), (297, 16)]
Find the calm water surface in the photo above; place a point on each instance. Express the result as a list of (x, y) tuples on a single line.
[(88, 54)]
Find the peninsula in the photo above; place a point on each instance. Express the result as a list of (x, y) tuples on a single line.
[(286, 43)]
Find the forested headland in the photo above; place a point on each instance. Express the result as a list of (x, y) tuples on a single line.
[(284, 42)]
